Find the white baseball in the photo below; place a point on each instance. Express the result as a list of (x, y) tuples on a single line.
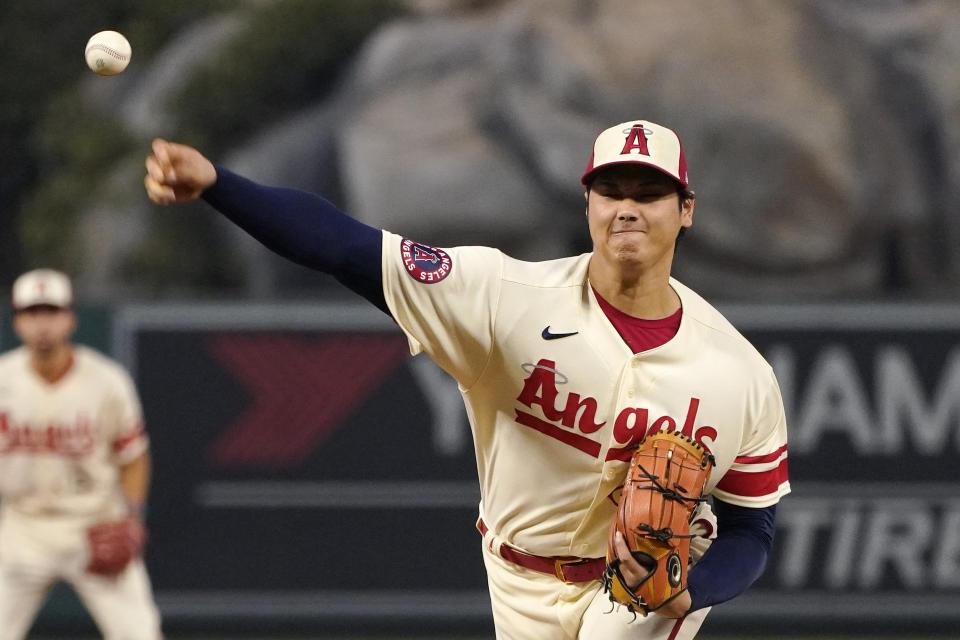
[(108, 53)]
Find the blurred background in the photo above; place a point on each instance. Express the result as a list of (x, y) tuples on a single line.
[(823, 141)]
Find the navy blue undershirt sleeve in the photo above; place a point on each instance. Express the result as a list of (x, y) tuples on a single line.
[(736, 558), (304, 228)]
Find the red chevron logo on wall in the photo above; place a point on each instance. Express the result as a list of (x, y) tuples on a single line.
[(302, 391)]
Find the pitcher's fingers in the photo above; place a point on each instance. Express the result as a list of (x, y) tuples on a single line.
[(631, 571), (153, 168), (157, 192), (161, 151), (620, 546)]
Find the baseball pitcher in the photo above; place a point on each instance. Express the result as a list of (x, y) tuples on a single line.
[(610, 404)]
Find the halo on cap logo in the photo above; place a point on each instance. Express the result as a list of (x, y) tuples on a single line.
[(423, 263)]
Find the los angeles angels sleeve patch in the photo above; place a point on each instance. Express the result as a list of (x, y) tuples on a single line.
[(425, 264)]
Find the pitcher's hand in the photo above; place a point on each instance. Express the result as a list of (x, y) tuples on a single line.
[(177, 173), (633, 573)]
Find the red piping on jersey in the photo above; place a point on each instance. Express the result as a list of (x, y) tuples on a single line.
[(754, 485), (770, 457), (121, 443), (676, 629)]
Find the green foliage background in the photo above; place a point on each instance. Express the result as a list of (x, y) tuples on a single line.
[(288, 54)]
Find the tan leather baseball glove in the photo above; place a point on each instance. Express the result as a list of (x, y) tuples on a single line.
[(664, 485), (114, 544)]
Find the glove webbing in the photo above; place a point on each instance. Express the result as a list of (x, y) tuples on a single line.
[(665, 533)]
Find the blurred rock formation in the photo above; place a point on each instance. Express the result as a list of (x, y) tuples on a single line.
[(823, 138)]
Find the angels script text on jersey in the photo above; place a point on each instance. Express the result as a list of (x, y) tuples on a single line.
[(630, 427), (70, 440)]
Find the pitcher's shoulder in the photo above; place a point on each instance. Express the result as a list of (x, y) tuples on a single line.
[(559, 273), (723, 333)]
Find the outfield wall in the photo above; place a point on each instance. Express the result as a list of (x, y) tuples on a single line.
[(311, 475)]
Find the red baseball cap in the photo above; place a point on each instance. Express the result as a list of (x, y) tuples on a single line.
[(639, 142)]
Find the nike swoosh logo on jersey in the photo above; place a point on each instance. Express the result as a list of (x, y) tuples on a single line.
[(546, 335)]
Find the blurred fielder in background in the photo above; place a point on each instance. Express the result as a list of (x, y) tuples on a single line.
[(565, 367), (74, 472)]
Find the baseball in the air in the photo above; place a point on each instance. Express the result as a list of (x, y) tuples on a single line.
[(108, 53)]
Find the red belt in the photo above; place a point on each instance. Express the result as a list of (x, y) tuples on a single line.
[(567, 569)]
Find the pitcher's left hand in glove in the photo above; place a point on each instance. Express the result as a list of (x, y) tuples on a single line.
[(114, 544), (664, 485)]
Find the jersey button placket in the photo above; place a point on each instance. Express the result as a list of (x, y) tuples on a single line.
[(634, 364), (631, 390)]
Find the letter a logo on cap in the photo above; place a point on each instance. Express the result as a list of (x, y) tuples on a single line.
[(636, 139), (638, 142)]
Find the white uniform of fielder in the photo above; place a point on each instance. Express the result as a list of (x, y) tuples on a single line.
[(62, 444), (554, 417)]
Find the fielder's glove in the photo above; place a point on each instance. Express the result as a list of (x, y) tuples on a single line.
[(114, 544), (664, 485)]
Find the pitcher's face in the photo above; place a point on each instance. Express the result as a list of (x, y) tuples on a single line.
[(635, 214)]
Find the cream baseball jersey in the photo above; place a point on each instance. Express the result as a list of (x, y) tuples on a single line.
[(557, 400), (61, 443)]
